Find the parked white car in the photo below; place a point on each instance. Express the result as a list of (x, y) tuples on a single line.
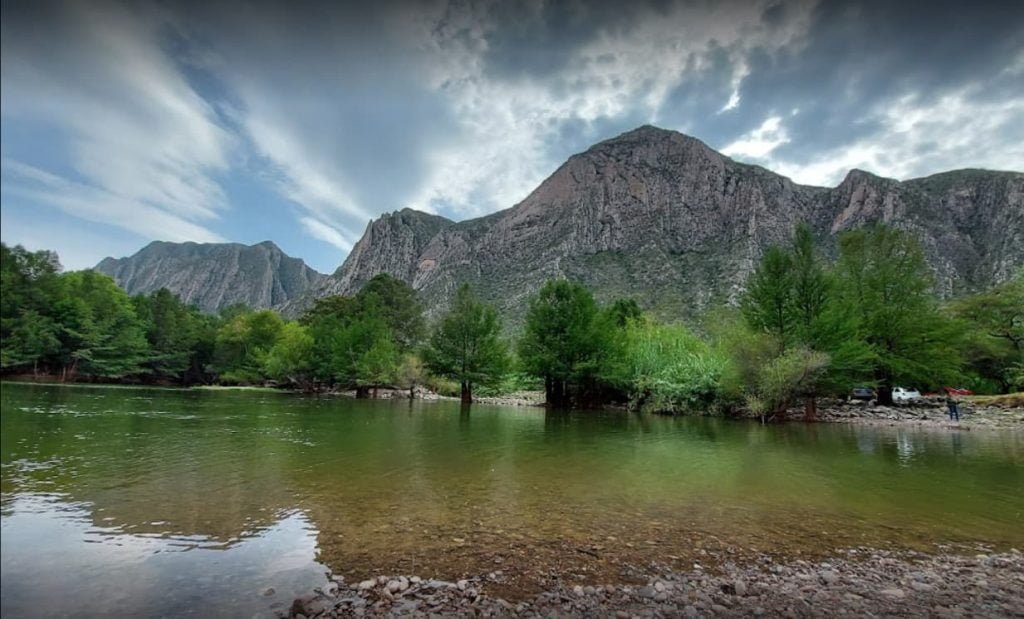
[(902, 394)]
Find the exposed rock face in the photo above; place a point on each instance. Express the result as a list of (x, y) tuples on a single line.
[(662, 217), (391, 244), (214, 275), (652, 214)]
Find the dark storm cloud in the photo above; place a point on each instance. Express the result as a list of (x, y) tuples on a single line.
[(861, 55)]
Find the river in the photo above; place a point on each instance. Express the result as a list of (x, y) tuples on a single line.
[(132, 501)]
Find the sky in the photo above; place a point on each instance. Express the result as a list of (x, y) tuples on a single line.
[(299, 122)]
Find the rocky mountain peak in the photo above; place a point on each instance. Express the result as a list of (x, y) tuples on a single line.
[(652, 214), (214, 275), (661, 216)]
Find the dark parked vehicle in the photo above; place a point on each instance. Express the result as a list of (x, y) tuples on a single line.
[(862, 393)]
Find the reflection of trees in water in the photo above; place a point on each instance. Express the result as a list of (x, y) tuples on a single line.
[(160, 470), (403, 477)]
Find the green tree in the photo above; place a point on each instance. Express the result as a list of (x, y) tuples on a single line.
[(564, 341), (412, 372), (809, 286), (399, 306), (290, 360), (994, 323), (884, 279), (243, 343), (175, 333), (101, 334), (336, 306), (768, 304), (623, 312), (378, 364), (342, 345), (466, 345), (33, 338), (792, 298), (30, 287)]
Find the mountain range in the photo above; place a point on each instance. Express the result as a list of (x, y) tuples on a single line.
[(652, 214), (213, 276)]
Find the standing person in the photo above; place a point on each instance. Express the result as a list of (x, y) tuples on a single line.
[(954, 408)]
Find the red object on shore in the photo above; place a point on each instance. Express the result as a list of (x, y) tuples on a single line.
[(957, 391)]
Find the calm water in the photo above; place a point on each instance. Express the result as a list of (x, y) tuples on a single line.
[(128, 501)]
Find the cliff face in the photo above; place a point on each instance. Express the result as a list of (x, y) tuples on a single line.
[(663, 217), (391, 244), (652, 214), (215, 275)]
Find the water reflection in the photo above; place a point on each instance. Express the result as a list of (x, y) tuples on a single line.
[(246, 489), (56, 560)]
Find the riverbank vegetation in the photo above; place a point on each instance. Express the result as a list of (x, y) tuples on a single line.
[(807, 326)]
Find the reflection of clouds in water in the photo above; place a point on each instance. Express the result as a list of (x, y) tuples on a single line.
[(121, 573)]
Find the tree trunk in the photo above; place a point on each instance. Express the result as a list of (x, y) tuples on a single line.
[(549, 392), (557, 397), (467, 392), (362, 393), (811, 408), (375, 392), (885, 395)]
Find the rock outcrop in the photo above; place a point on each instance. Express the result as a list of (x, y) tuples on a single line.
[(215, 275), (662, 217), (652, 214)]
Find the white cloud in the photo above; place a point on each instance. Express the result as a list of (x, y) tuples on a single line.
[(760, 142), (78, 246), (319, 230), (732, 103), (145, 145), (921, 137), (508, 126), (95, 204)]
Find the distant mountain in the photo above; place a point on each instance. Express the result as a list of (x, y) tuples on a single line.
[(652, 214), (662, 217), (215, 275)]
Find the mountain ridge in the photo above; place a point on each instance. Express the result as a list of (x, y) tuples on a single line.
[(213, 276), (662, 216)]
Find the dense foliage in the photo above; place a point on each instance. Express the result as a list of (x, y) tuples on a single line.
[(466, 345), (806, 327)]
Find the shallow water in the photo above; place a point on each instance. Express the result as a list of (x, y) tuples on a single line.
[(128, 501)]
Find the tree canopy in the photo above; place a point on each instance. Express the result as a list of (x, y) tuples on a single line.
[(466, 346)]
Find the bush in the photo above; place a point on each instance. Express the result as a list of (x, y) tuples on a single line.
[(670, 370), (442, 386)]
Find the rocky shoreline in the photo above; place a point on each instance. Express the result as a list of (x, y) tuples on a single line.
[(928, 412), (858, 582)]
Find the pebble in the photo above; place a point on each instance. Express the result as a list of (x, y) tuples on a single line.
[(874, 582)]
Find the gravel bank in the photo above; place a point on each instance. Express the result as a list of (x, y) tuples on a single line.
[(929, 412), (861, 582)]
